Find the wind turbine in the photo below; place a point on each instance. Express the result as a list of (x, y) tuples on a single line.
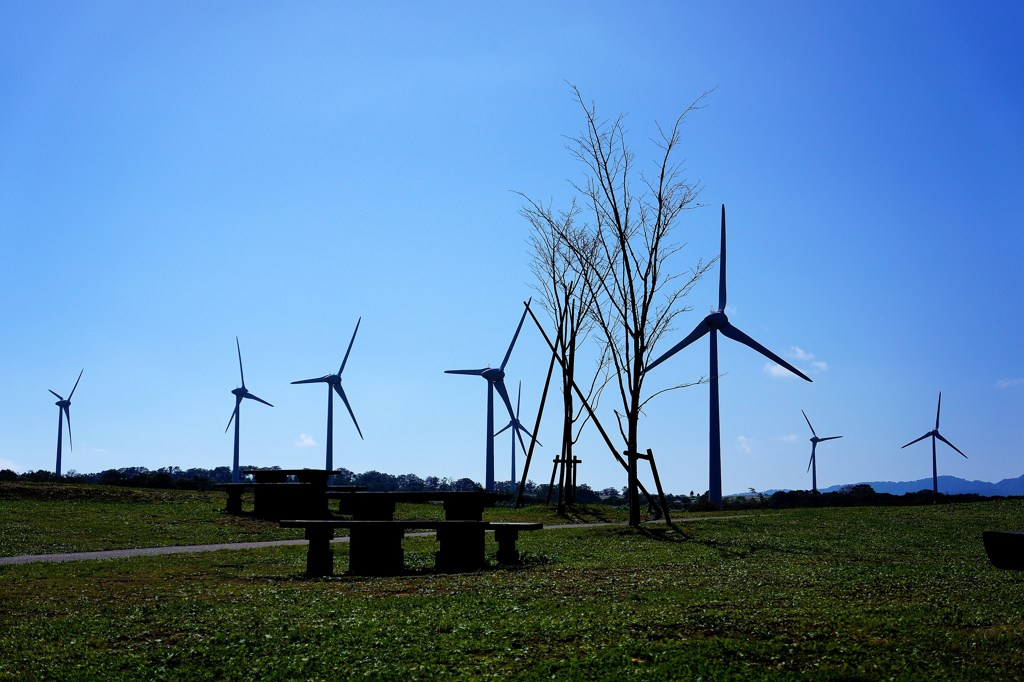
[(333, 382), (240, 394), (518, 426), (64, 413), (495, 382), (712, 324), (812, 466), (935, 434)]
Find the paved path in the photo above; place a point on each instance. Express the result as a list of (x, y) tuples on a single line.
[(190, 549)]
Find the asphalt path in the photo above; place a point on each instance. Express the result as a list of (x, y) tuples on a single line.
[(191, 549)]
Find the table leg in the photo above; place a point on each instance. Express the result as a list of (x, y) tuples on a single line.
[(376, 550), (319, 557), (461, 548), (234, 505)]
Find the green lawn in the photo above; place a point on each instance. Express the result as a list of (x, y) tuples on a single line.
[(862, 593)]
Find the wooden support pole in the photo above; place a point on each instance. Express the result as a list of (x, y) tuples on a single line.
[(649, 456), (590, 411), (536, 425)]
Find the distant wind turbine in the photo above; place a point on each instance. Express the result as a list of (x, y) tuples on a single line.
[(712, 324), (64, 413), (518, 426), (935, 434), (240, 394), (813, 464), (495, 382), (333, 382)]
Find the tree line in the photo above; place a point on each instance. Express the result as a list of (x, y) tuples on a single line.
[(176, 478)]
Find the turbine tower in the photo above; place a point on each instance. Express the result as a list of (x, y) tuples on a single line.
[(495, 382), (712, 324), (240, 394), (935, 434), (812, 466), (518, 427), (64, 413), (333, 382)]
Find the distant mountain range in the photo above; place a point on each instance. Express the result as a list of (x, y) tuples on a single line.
[(951, 485)]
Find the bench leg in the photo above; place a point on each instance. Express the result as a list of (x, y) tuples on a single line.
[(319, 557), (234, 505), (461, 550), (376, 551), (506, 538)]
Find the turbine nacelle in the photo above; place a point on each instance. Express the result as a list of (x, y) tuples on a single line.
[(493, 374), (717, 320)]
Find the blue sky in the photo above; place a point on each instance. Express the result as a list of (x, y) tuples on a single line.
[(175, 174)]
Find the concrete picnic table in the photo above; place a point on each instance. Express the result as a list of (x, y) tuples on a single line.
[(375, 537), (276, 497)]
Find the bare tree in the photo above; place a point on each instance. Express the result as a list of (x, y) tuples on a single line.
[(622, 253), (569, 304)]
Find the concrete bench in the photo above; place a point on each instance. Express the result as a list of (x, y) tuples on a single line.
[(375, 546), (506, 534), (1005, 548), (234, 491)]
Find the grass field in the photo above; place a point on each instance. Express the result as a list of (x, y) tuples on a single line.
[(856, 593)]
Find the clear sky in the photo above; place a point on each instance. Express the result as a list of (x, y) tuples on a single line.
[(174, 174)]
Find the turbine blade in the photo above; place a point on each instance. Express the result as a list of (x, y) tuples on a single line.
[(71, 444), (57, 395), (519, 425), (916, 440), (700, 330), (531, 436), (506, 428), (318, 380), (736, 335), (937, 411), (515, 336), (341, 392), (234, 414), (519, 399), (472, 372), (721, 268), (829, 438), (808, 423), (353, 340), (499, 386), (521, 443), (811, 460), (257, 399), (75, 386), (937, 435), (240, 371)]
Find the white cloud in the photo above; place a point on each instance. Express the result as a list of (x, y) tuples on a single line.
[(1010, 383), (305, 441), (798, 355), (774, 370), (790, 438), (7, 464), (745, 444)]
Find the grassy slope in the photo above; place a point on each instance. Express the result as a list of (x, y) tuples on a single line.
[(51, 518), (832, 593)]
